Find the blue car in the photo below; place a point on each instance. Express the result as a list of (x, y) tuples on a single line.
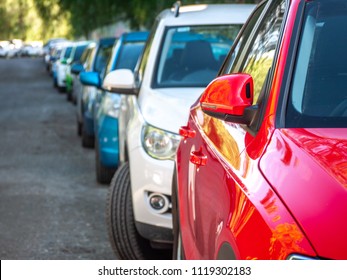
[(125, 55), (95, 67)]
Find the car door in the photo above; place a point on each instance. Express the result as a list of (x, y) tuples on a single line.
[(223, 159)]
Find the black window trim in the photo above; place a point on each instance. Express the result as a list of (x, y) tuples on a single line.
[(259, 112), (225, 66), (149, 43), (280, 117), (269, 80)]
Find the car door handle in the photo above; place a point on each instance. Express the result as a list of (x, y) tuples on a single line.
[(186, 132), (198, 158)]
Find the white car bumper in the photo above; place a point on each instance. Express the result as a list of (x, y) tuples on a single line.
[(149, 176)]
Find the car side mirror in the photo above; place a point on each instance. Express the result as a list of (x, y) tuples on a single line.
[(227, 97), (90, 79), (63, 61), (76, 68), (120, 81)]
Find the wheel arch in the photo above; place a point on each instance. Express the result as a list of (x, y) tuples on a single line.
[(226, 252)]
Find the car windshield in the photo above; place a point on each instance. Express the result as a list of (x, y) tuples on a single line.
[(57, 53), (191, 56), (318, 96), (78, 52), (67, 52)]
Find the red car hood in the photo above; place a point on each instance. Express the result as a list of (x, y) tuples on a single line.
[(308, 170)]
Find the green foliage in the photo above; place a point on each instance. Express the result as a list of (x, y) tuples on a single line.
[(5, 25), (43, 19), (56, 20), (86, 15), (32, 20), (12, 15)]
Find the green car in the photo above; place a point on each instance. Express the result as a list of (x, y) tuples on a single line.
[(75, 56)]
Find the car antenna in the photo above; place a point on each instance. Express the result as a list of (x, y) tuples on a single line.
[(176, 8)]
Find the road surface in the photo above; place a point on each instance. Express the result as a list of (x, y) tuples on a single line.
[(50, 204)]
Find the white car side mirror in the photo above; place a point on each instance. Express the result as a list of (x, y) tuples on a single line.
[(120, 81)]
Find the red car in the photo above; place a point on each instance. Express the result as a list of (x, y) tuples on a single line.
[(261, 170)]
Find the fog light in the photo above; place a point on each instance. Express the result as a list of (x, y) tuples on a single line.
[(159, 202)]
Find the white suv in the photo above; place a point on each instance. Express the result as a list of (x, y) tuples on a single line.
[(185, 50)]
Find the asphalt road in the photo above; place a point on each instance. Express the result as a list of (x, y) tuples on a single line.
[(50, 204)]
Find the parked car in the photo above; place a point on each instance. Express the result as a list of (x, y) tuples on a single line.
[(75, 57), (76, 69), (32, 49), (4, 45), (183, 54), (261, 169), (47, 50), (95, 66), (8, 49), (55, 53), (61, 67), (125, 55)]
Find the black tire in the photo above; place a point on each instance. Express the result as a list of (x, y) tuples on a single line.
[(87, 140), (69, 96), (61, 89), (79, 128), (103, 174), (125, 240), (74, 100)]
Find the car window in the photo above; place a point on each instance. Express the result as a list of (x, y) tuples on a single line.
[(129, 54), (256, 48), (57, 53), (78, 52), (127, 57), (192, 55), (318, 96), (140, 68), (89, 59), (230, 65), (102, 56), (67, 52), (262, 52), (85, 55)]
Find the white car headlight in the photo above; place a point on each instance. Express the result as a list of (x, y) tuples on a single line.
[(158, 143), (111, 105)]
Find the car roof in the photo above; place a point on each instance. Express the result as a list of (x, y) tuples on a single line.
[(135, 36), (91, 45), (61, 44), (207, 14), (107, 41), (81, 43)]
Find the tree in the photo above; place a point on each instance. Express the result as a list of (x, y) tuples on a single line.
[(5, 25), (43, 19), (55, 20)]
